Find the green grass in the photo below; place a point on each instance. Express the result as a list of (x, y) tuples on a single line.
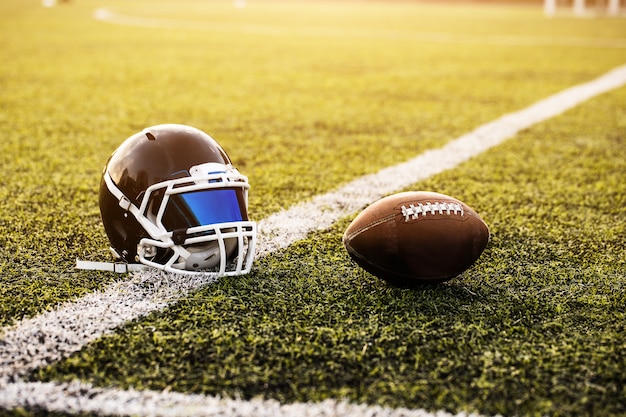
[(535, 328)]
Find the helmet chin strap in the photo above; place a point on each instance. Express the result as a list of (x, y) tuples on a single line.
[(119, 267)]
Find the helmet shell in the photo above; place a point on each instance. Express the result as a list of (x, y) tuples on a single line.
[(156, 154), (160, 153)]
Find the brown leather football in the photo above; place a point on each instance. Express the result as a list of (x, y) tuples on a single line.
[(415, 238)]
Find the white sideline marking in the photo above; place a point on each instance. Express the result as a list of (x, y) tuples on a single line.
[(105, 15), (56, 334), (77, 397)]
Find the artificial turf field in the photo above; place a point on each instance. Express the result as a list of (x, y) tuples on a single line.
[(305, 97)]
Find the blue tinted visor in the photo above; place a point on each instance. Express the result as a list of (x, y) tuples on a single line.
[(205, 207)]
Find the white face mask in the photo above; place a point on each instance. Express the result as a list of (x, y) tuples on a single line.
[(200, 220)]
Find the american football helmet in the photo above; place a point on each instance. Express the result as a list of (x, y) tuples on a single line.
[(171, 199)]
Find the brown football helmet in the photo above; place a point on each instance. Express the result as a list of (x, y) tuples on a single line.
[(171, 199)]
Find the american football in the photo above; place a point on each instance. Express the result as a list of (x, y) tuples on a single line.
[(414, 238)]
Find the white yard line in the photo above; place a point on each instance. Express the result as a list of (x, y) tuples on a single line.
[(105, 15), (54, 335), (79, 397)]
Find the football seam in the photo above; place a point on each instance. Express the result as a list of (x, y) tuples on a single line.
[(370, 225)]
